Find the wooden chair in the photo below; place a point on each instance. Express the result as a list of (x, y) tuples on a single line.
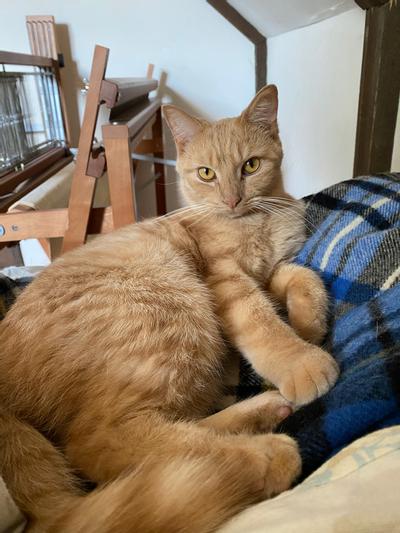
[(132, 115)]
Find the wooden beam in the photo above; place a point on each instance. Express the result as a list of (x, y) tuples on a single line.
[(14, 58), (159, 169), (83, 185), (49, 223), (367, 4), (12, 178), (248, 30), (379, 91), (121, 180), (34, 182)]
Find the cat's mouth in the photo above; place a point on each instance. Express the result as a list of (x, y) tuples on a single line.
[(237, 212)]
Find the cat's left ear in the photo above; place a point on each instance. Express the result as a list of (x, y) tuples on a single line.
[(263, 109), (182, 125)]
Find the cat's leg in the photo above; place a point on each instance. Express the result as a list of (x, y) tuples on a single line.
[(259, 414), (302, 292), (300, 370), (166, 493), (180, 495), (262, 465)]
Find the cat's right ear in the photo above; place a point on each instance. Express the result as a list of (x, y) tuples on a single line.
[(263, 109), (182, 125)]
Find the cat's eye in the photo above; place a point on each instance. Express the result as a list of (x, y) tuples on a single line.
[(251, 166), (206, 174)]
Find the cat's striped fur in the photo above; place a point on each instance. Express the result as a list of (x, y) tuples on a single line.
[(116, 351)]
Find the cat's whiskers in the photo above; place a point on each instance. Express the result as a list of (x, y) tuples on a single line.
[(201, 219), (180, 211), (296, 210), (289, 216), (292, 203)]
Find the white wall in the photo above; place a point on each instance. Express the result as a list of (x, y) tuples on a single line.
[(210, 71), (273, 17), (317, 70), (209, 65)]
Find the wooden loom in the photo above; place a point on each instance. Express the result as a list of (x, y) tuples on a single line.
[(132, 116)]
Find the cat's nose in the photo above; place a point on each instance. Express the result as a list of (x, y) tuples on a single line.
[(232, 201)]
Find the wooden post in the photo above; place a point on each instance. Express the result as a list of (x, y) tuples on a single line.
[(158, 167), (83, 185), (379, 91), (120, 177)]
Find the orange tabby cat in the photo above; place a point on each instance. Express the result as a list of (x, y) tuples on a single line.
[(115, 352)]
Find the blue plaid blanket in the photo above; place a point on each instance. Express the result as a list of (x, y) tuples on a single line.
[(355, 247), (354, 244)]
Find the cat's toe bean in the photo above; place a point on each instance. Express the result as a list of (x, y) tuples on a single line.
[(273, 408)]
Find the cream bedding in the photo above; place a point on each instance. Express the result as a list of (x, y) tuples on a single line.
[(356, 491), (11, 520)]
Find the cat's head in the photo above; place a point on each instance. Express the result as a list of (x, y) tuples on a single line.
[(228, 164)]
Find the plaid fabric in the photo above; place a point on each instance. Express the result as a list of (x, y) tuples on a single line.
[(354, 244), (12, 281), (9, 290), (355, 247)]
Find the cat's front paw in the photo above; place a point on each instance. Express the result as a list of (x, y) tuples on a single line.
[(309, 376)]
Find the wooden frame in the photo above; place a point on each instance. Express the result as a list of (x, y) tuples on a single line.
[(42, 36), (125, 133), (15, 58), (43, 42), (43, 165)]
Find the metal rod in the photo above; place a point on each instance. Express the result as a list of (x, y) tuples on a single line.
[(152, 159)]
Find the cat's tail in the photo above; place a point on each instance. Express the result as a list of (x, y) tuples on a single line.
[(182, 496)]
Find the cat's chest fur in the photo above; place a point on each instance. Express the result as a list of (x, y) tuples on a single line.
[(257, 244)]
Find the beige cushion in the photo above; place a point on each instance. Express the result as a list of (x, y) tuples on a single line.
[(356, 491), (11, 520)]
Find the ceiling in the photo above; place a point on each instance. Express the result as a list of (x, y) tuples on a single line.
[(272, 17)]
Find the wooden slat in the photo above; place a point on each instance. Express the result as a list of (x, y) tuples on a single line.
[(34, 182), (64, 109), (130, 89), (83, 185), (9, 181), (147, 146), (44, 43), (159, 168), (121, 180), (379, 91), (42, 39), (145, 131), (49, 223), (14, 58), (367, 4), (150, 71), (133, 125), (100, 220)]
